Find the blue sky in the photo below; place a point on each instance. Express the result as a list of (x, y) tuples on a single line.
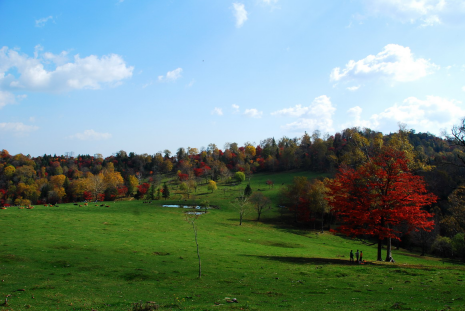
[(144, 76)]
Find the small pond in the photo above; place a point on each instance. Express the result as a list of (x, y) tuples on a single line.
[(197, 213), (183, 206)]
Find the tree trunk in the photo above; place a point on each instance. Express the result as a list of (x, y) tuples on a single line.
[(240, 218), (380, 246), (388, 250), (259, 213), (198, 254), (322, 221)]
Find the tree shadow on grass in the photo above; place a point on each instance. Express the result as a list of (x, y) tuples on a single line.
[(309, 260)]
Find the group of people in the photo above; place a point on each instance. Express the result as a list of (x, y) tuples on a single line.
[(358, 256)]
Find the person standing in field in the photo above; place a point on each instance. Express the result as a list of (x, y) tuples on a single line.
[(351, 256), (356, 255), (361, 255)]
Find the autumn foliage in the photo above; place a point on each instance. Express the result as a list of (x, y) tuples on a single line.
[(379, 196)]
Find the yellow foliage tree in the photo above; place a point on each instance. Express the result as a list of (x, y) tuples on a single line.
[(250, 151), (9, 171), (58, 180), (112, 179), (133, 182), (212, 186)]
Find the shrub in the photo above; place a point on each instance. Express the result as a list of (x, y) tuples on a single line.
[(442, 246), (239, 176), (458, 245)]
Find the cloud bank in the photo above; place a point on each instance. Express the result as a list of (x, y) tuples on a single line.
[(395, 62), (47, 72), (430, 115)]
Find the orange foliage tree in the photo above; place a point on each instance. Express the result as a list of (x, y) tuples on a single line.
[(378, 196)]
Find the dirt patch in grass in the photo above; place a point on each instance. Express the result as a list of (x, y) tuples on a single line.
[(61, 264), (12, 258), (136, 276), (277, 244), (94, 267), (159, 253)]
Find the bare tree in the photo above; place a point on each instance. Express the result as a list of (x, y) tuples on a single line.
[(458, 139), (242, 204), (260, 203), (191, 218)]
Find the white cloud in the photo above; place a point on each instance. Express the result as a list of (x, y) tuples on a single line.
[(58, 59), (354, 115), (253, 113), (463, 88), (427, 12), (354, 88), (296, 111), (317, 116), (394, 62), (6, 98), (240, 13), (236, 108), (147, 84), (90, 135), (217, 111), (90, 72), (430, 115), (171, 75), (17, 128), (10, 98), (42, 21)]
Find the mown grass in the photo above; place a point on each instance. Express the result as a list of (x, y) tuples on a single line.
[(108, 258)]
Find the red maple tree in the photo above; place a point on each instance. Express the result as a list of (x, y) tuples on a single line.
[(143, 188), (378, 196)]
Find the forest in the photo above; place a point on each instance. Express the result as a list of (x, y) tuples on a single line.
[(438, 162)]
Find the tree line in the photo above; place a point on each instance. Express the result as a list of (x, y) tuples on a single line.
[(26, 180)]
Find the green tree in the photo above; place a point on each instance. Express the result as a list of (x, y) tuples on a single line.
[(166, 191), (152, 192), (458, 245), (248, 190)]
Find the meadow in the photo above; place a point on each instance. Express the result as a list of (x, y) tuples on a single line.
[(120, 257)]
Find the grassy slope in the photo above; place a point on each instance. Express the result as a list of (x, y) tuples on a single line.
[(72, 257)]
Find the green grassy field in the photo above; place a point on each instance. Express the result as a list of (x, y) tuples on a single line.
[(108, 258)]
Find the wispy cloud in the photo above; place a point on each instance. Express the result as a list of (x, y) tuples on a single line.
[(171, 75), (354, 88), (426, 12), (240, 13), (317, 116), (42, 21), (217, 111), (9, 98), (253, 113), (17, 128), (91, 135)]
